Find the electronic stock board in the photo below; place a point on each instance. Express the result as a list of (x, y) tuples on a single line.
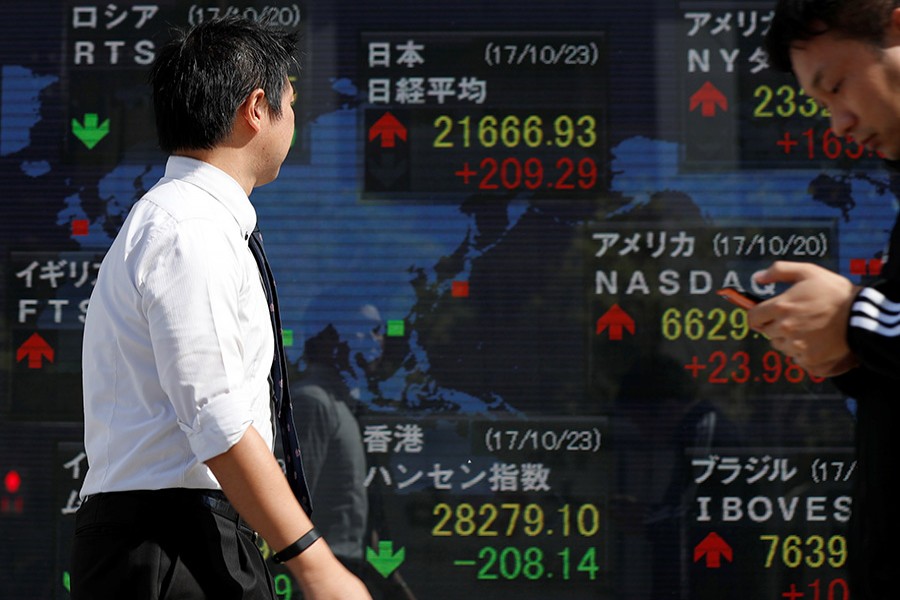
[(504, 225)]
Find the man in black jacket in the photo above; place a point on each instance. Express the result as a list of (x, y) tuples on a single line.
[(846, 55)]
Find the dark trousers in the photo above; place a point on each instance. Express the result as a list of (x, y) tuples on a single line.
[(165, 545)]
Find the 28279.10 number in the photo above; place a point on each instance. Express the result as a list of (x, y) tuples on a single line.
[(508, 519)]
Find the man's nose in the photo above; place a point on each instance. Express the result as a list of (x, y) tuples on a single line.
[(842, 122)]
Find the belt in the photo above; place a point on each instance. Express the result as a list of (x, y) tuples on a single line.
[(134, 504), (216, 501)]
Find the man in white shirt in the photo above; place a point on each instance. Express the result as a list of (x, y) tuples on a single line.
[(178, 347)]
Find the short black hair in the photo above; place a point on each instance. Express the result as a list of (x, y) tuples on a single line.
[(203, 74), (801, 20)]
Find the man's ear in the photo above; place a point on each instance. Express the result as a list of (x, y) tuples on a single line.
[(254, 108), (892, 35)]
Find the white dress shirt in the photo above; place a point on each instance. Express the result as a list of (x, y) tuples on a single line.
[(178, 341)]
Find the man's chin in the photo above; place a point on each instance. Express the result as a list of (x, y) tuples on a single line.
[(889, 152)]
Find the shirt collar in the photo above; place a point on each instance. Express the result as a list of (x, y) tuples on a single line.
[(219, 184)]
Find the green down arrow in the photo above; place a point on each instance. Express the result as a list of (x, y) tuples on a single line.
[(90, 133), (386, 561)]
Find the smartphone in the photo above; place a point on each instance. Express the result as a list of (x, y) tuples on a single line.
[(745, 300)]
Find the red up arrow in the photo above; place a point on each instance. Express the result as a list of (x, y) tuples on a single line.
[(35, 348), (714, 548), (389, 128), (616, 320), (707, 98)]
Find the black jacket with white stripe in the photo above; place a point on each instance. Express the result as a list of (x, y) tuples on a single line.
[(874, 337)]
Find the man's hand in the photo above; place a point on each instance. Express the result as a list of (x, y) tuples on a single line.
[(807, 322), (323, 577)]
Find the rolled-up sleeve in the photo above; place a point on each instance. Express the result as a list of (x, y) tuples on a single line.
[(196, 290)]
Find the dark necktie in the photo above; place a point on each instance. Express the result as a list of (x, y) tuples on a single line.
[(280, 389)]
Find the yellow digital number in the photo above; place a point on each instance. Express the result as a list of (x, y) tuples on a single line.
[(785, 101), (445, 125), (695, 325), (811, 552), (588, 136)]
